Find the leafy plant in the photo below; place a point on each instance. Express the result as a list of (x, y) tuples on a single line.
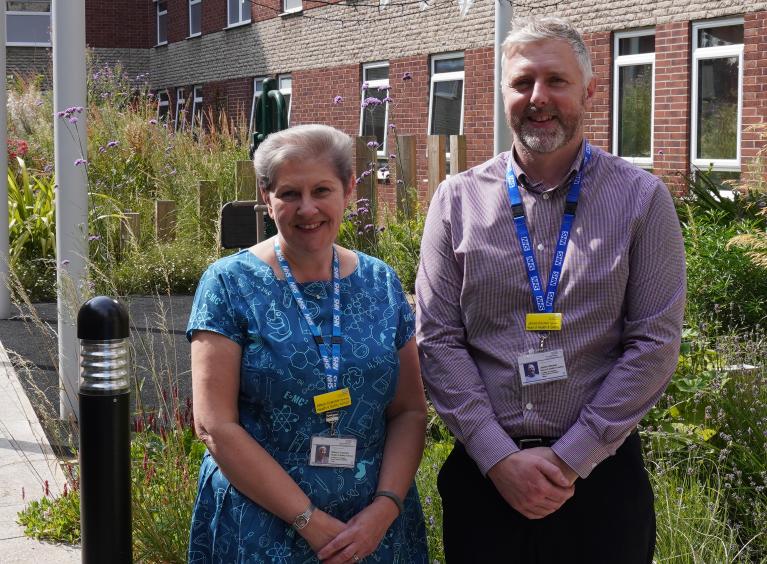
[(32, 217)]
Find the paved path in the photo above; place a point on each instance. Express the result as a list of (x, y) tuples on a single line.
[(26, 463)]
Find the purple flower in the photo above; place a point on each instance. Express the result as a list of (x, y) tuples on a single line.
[(337, 100), (79, 162), (392, 156), (392, 126), (65, 262), (73, 119), (78, 109), (365, 85), (372, 101), (152, 121), (94, 237), (102, 149), (381, 229), (372, 145), (384, 88), (60, 114), (366, 173), (112, 144), (407, 76), (388, 99)]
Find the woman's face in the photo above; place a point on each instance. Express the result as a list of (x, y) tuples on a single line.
[(307, 204)]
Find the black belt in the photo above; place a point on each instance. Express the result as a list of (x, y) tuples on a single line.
[(532, 442)]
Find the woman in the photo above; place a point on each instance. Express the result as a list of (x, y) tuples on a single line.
[(299, 344)]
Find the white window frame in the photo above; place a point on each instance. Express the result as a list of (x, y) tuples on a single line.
[(196, 100), (180, 103), (286, 91), (244, 7), (629, 61), (158, 13), (445, 77), (705, 53), (192, 3), (258, 89), (376, 84), (292, 10), (163, 103), (12, 14)]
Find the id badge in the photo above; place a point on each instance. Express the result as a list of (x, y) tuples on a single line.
[(333, 452), (540, 367)]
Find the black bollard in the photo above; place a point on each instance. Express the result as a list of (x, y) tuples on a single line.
[(105, 486)]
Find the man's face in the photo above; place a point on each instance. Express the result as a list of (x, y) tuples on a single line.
[(544, 95)]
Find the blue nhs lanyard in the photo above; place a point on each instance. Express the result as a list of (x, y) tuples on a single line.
[(331, 359), (544, 303)]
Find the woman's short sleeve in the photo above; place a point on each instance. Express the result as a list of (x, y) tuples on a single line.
[(406, 316), (212, 308)]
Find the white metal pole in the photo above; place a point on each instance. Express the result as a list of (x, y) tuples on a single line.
[(501, 132), (5, 302), (70, 145)]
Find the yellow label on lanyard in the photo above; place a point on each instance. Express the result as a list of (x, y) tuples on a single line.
[(332, 400), (543, 322)]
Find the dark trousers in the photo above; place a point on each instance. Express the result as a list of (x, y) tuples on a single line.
[(610, 519)]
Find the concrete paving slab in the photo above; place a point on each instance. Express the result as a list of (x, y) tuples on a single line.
[(27, 463)]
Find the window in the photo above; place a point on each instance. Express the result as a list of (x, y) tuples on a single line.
[(180, 117), (163, 106), (633, 96), (28, 23), (292, 6), (162, 21), (373, 117), (717, 87), (285, 84), (446, 95), (197, 107), (195, 17), (258, 88), (239, 11)]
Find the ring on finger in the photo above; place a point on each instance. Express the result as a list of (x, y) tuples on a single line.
[(355, 557)]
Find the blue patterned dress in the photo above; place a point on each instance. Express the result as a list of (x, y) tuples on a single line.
[(281, 371)]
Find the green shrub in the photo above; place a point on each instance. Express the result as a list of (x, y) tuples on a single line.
[(53, 519)]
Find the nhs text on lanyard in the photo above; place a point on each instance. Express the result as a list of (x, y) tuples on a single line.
[(334, 399), (535, 368)]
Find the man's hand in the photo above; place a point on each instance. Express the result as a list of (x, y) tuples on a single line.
[(530, 483), (553, 457)]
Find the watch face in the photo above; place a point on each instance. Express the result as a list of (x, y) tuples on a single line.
[(301, 522)]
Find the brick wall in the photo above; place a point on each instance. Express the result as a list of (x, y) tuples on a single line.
[(29, 62), (214, 16), (671, 141), (120, 23), (178, 20), (754, 87), (597, 121), (478, 104)]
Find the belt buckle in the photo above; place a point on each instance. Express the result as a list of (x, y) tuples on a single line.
[(530, 443)]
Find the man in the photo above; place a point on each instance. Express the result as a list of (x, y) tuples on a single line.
[(559, 254)]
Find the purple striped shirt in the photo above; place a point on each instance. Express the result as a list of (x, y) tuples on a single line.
[(621, 293)]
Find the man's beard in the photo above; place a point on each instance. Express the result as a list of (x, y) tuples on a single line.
[(539, 141)]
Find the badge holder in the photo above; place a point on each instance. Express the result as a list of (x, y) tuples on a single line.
[(332, 451)]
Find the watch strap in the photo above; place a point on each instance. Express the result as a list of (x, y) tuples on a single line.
[(302, 519)]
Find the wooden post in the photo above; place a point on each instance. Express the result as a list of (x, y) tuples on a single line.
[(207, 206), (165, 220), (457, 154), (245, 181), (130, 226), (365, 165), (435, 154), (407, 179)]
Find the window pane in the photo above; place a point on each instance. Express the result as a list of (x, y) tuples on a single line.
[(446, 108), (244, 10), (718, 36), (291, 5), (374, 117), (194, 18), (234, 11), (286, 82), (636, 45), (635, 110), (718, 108), (28, 28), (162, 28), (448, 65), (377, 73)]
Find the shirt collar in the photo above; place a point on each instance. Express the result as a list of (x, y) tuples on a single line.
[(538, 186)]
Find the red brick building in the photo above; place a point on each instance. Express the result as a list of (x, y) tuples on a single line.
[(678, 87)]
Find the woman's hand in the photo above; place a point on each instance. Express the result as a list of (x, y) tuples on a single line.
[(322, 529), (362, 534)]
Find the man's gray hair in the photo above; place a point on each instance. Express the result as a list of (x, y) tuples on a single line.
[(301, 143), (538, 28)]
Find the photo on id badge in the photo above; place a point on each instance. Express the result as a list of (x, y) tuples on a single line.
[(322, 454), (544, 366)]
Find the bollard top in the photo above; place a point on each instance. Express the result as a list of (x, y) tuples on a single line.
[(101, 319)]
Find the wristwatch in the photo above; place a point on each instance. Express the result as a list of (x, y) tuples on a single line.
[(302, 519)]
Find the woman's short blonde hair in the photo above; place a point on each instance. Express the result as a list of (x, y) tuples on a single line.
[(300, 143)]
